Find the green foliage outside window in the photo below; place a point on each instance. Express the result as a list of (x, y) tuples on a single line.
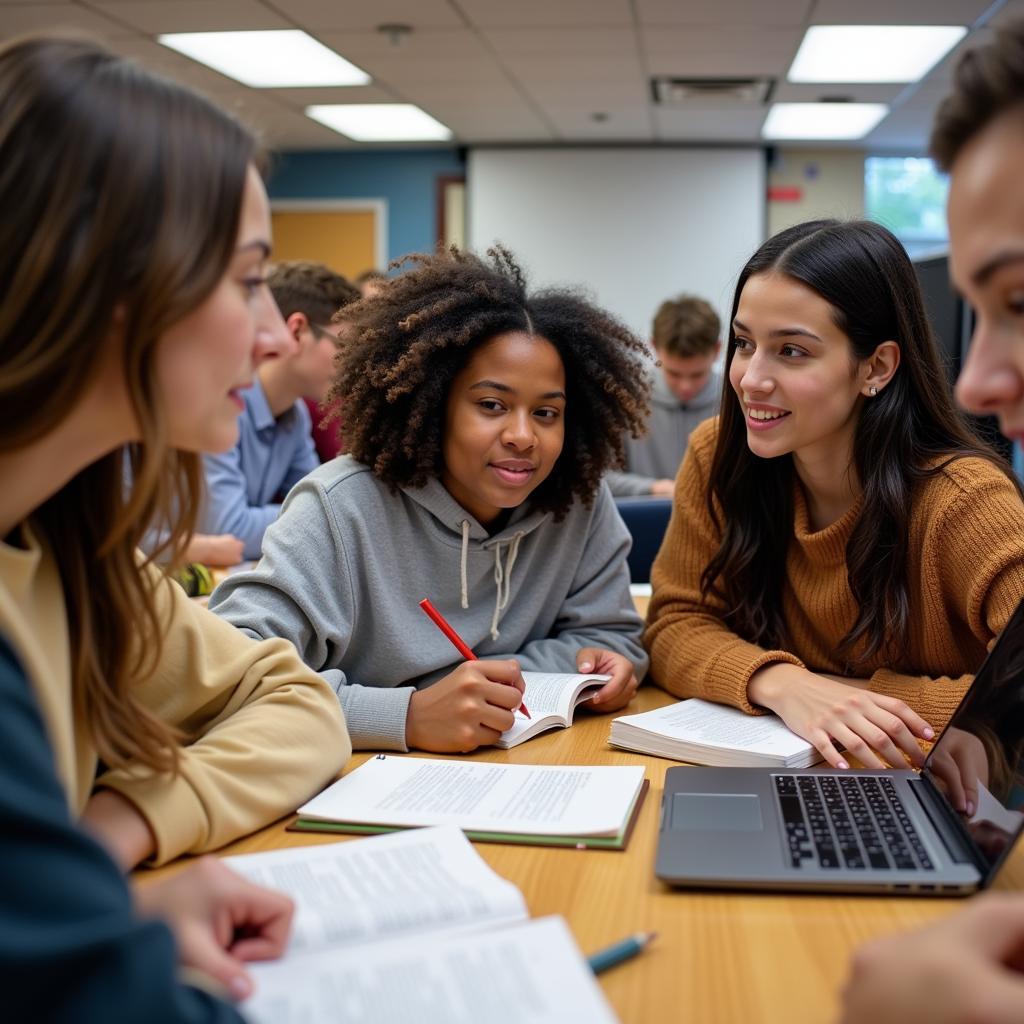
[(908, 196)]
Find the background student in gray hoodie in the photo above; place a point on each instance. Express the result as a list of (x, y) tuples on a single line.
[(686, 337), (479, 422)]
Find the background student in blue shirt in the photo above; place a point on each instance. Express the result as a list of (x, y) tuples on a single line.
[(275, 446)]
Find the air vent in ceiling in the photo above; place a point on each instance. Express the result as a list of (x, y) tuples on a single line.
[(668, 91)]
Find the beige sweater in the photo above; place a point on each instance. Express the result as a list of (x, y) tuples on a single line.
[(965, 567), (263, 732)]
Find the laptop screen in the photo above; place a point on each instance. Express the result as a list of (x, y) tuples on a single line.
[(978, 758)]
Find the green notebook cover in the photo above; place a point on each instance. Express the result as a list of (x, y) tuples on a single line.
[(616, 842)]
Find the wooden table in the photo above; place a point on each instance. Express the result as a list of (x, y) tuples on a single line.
[(719, 957)]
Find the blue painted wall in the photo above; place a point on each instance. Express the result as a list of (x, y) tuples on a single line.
[(407, 179)]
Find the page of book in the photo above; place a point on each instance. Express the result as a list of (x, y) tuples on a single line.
[(530, 973), (700, 722), (428, 879), (482, 797), (548, 695)]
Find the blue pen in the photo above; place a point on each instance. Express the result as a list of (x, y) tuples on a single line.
[(624, 950)]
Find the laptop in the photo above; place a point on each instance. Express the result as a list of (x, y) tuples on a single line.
[(892, 830)]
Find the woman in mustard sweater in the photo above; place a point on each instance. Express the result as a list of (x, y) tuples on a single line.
[(843, 548)]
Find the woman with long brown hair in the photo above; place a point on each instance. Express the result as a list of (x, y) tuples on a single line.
[(133, 308), (843, 546)]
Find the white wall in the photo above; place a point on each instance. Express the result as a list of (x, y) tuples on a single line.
[(817, 183), (633, 226)]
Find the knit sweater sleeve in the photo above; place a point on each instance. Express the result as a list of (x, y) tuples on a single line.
[(693, 652), (261, 732), (973, 569)]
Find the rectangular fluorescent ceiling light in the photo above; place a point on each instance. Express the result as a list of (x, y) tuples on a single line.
[(266, 60), (872, 53), (806, 121), (380, 122)]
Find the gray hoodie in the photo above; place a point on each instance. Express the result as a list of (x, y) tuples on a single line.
[(345, 567), (658, 455)]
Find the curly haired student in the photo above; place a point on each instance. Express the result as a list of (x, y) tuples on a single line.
[(479, 420)]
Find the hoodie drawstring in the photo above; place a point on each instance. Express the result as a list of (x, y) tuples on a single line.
[(503, 575), (462, 563)]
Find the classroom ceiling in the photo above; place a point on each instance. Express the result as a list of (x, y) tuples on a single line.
[(534, 71)]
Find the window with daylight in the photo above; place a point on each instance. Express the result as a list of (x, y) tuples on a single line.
[(907, 194)]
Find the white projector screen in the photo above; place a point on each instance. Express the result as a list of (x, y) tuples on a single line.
[(632, 226)]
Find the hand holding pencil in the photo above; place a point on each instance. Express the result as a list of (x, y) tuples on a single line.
[(460, 645), (470, 707)]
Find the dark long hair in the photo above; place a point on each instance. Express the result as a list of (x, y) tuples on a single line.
[(905, 434), (121, 195)]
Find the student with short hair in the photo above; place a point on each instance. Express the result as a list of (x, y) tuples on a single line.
[(371, 282), (686, 336), (843, 548), (972, 963), (480, 420), (245, 485)]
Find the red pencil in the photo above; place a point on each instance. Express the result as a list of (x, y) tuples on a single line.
[(460, 645)]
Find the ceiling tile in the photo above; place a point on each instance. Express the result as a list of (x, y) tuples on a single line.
[(901, 131), (708, 126), (588, 96), (489, 14), (193, 15), (861, 92), (624, 124), (898, 12), (362, 15), (624, 68), (774, 44), (561, 42), (721, 13), (474, 123), (718, 65), (16, 19), (418, 45)]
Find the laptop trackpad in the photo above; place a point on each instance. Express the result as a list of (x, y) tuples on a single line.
[(717, 812)]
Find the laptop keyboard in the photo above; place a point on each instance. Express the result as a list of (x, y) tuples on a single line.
[(850, 821)]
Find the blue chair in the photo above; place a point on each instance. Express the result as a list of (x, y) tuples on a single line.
[(646, 519)]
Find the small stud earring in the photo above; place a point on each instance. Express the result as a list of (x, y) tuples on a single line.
[(872, 391)]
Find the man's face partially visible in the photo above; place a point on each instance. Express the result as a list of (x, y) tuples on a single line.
[(687, 375), (986, 235)]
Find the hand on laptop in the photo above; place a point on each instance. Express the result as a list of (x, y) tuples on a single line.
[(959, 764), (965, 968), (825, 711)]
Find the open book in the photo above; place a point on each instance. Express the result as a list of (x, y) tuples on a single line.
[(412, 926), (553, 805), (552, 698), (705, 733)]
